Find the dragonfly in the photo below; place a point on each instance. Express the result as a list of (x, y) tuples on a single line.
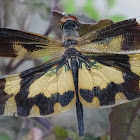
[(99, 69)]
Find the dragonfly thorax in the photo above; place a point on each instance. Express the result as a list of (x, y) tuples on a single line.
[(71, 52), (69, 38), (72, 57), (69, 43)]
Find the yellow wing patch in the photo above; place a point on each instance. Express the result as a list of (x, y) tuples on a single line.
[(100, 76), (120, 98), (52, 83), (110, 45), (10, 107), (12, 84), (134, 61), (34, 111)]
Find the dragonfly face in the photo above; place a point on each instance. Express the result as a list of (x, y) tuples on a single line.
[(98, 70)]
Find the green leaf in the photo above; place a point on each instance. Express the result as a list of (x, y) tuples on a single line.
[(125, 121), (89, 137), (4, 137), (69, 6), (117, 17), (90, 9), (111, 3), (60, 132), (46, 58)]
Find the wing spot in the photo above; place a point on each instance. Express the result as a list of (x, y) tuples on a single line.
[(10, 107), (120, 98), (95, 102), (58, 108), (35, 111), (20, 51), (12, 85), (134, 62)]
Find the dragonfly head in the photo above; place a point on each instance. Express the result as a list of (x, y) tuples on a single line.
[(69, 23)]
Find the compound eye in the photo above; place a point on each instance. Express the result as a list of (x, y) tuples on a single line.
[(73, 18), (65, 19)]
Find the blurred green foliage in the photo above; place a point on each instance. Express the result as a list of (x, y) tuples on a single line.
[(69, 6), (111, 3), (117, 17), (89, 137), (61, 133), (3, 136), (90, 9)]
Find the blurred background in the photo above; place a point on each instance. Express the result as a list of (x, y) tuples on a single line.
[(35, 16)]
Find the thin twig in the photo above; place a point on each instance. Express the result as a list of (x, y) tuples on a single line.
[(132, 121), (20, 131), (44, 122), (9, 67)]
